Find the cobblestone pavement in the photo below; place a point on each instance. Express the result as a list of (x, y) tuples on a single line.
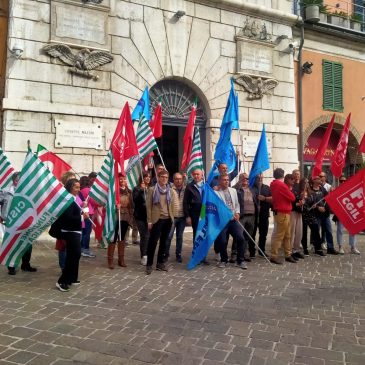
[(312, 312)]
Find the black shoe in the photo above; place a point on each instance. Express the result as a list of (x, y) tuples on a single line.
[(247, 259), (319, 253), (62, 287), (161, 267), (11, 271), (148, 270), (332, 251), (28, 268), (295, 258), (290, 259), (298, 255), (179, 259), (306, 252), (275, 261)]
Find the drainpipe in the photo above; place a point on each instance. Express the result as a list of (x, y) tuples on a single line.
[(300, 100)]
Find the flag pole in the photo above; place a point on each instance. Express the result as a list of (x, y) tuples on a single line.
[(263, 254), (163, 163)]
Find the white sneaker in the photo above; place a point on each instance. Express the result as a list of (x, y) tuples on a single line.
[(242, 265), (324, 246), (222, 265), (144, 260), (341, 251), (355, 251)]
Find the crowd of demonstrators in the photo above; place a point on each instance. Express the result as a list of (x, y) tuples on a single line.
[(160, 209)]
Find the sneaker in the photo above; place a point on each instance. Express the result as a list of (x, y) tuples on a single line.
[(341, 251), (144, 260), (222, 265), (319, 253), (161, 267), (148, 270), (332, 251), (324, 246), (179, 259), (217, 257), (294, 257), (28, 268), (11, 271), (88, 254), (62, 287), (242, 265), (77, 282), (306, 252), (355, 251), (290, 259), (275, 261), (298, 255)]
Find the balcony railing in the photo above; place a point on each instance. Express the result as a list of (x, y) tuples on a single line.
[(336, 13)]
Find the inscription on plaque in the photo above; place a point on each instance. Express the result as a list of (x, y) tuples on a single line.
[(250, 143), (76, 25), (254, 57), (80, 135)]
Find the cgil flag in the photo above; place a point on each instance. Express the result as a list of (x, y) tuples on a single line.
[(196, 157), (38, 201), (156, 122), (339, 159), (103, 192), (214, 216), (53, 163), (348, 202), (6, 171), (188, 138), (261, 161), (317, 169)]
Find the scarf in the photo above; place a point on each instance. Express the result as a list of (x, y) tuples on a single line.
[(157, 193)]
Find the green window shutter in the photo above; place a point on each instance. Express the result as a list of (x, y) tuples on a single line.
[(332, 86)]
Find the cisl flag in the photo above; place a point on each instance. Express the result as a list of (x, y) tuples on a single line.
[(39, 199), (347, 202)]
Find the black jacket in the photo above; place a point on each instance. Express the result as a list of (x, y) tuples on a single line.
[(192, 202), (70, 219), (139, 201), (264, 206)]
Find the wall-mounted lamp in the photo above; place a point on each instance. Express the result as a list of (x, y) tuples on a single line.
[(307, 68), (179, 14), (16, 51)]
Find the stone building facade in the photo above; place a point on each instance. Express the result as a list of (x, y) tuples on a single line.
[(180, 49)]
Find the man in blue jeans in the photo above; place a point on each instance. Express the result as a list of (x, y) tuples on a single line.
[(179, 218)]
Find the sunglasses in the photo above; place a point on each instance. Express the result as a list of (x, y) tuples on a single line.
[(342, 181), (322, 176)]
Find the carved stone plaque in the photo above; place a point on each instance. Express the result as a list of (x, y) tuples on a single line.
[(80, 135), (254, 57), (78, 25), (250, 143)]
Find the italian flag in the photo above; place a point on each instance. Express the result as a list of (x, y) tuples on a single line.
[(196, 156), (39, 199), (54, 163)]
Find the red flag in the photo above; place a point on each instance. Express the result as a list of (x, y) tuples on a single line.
[(362, 144), (339, 159), (188, 138), (156, 122), (124, 144), (348, 202), (54, 163), (317, 169)]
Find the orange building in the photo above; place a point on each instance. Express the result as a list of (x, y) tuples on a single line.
[(332, 81)]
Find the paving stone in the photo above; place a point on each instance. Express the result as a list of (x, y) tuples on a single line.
[(22, 357)]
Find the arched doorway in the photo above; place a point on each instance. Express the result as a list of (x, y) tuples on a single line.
[(353, 158), (176, 99)]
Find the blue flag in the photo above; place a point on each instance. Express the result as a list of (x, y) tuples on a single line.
[(261, 162), (224, 151), (143, 106), (214, 216)]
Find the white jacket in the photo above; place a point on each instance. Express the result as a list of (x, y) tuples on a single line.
[(234, 197)]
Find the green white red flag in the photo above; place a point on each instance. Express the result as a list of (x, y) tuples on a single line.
[(39, 199), (54, 163), (196, 157), (146, 142), (103, 192), (133, 172), (362, 144), (6, 170), (188, 138)]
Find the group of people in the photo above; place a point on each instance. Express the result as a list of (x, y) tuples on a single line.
[(158, 207)]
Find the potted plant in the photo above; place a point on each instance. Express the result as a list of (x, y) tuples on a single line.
[(355, 21), (311, 10), (339, 18), (323, 13)]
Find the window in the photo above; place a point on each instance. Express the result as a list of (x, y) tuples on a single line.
[(332, 86)]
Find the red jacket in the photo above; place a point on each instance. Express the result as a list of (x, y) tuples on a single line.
[(282, 197)]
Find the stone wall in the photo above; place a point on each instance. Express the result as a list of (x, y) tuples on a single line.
[(148, 44)]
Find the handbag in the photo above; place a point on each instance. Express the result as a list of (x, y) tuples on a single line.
[(55, 230)]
